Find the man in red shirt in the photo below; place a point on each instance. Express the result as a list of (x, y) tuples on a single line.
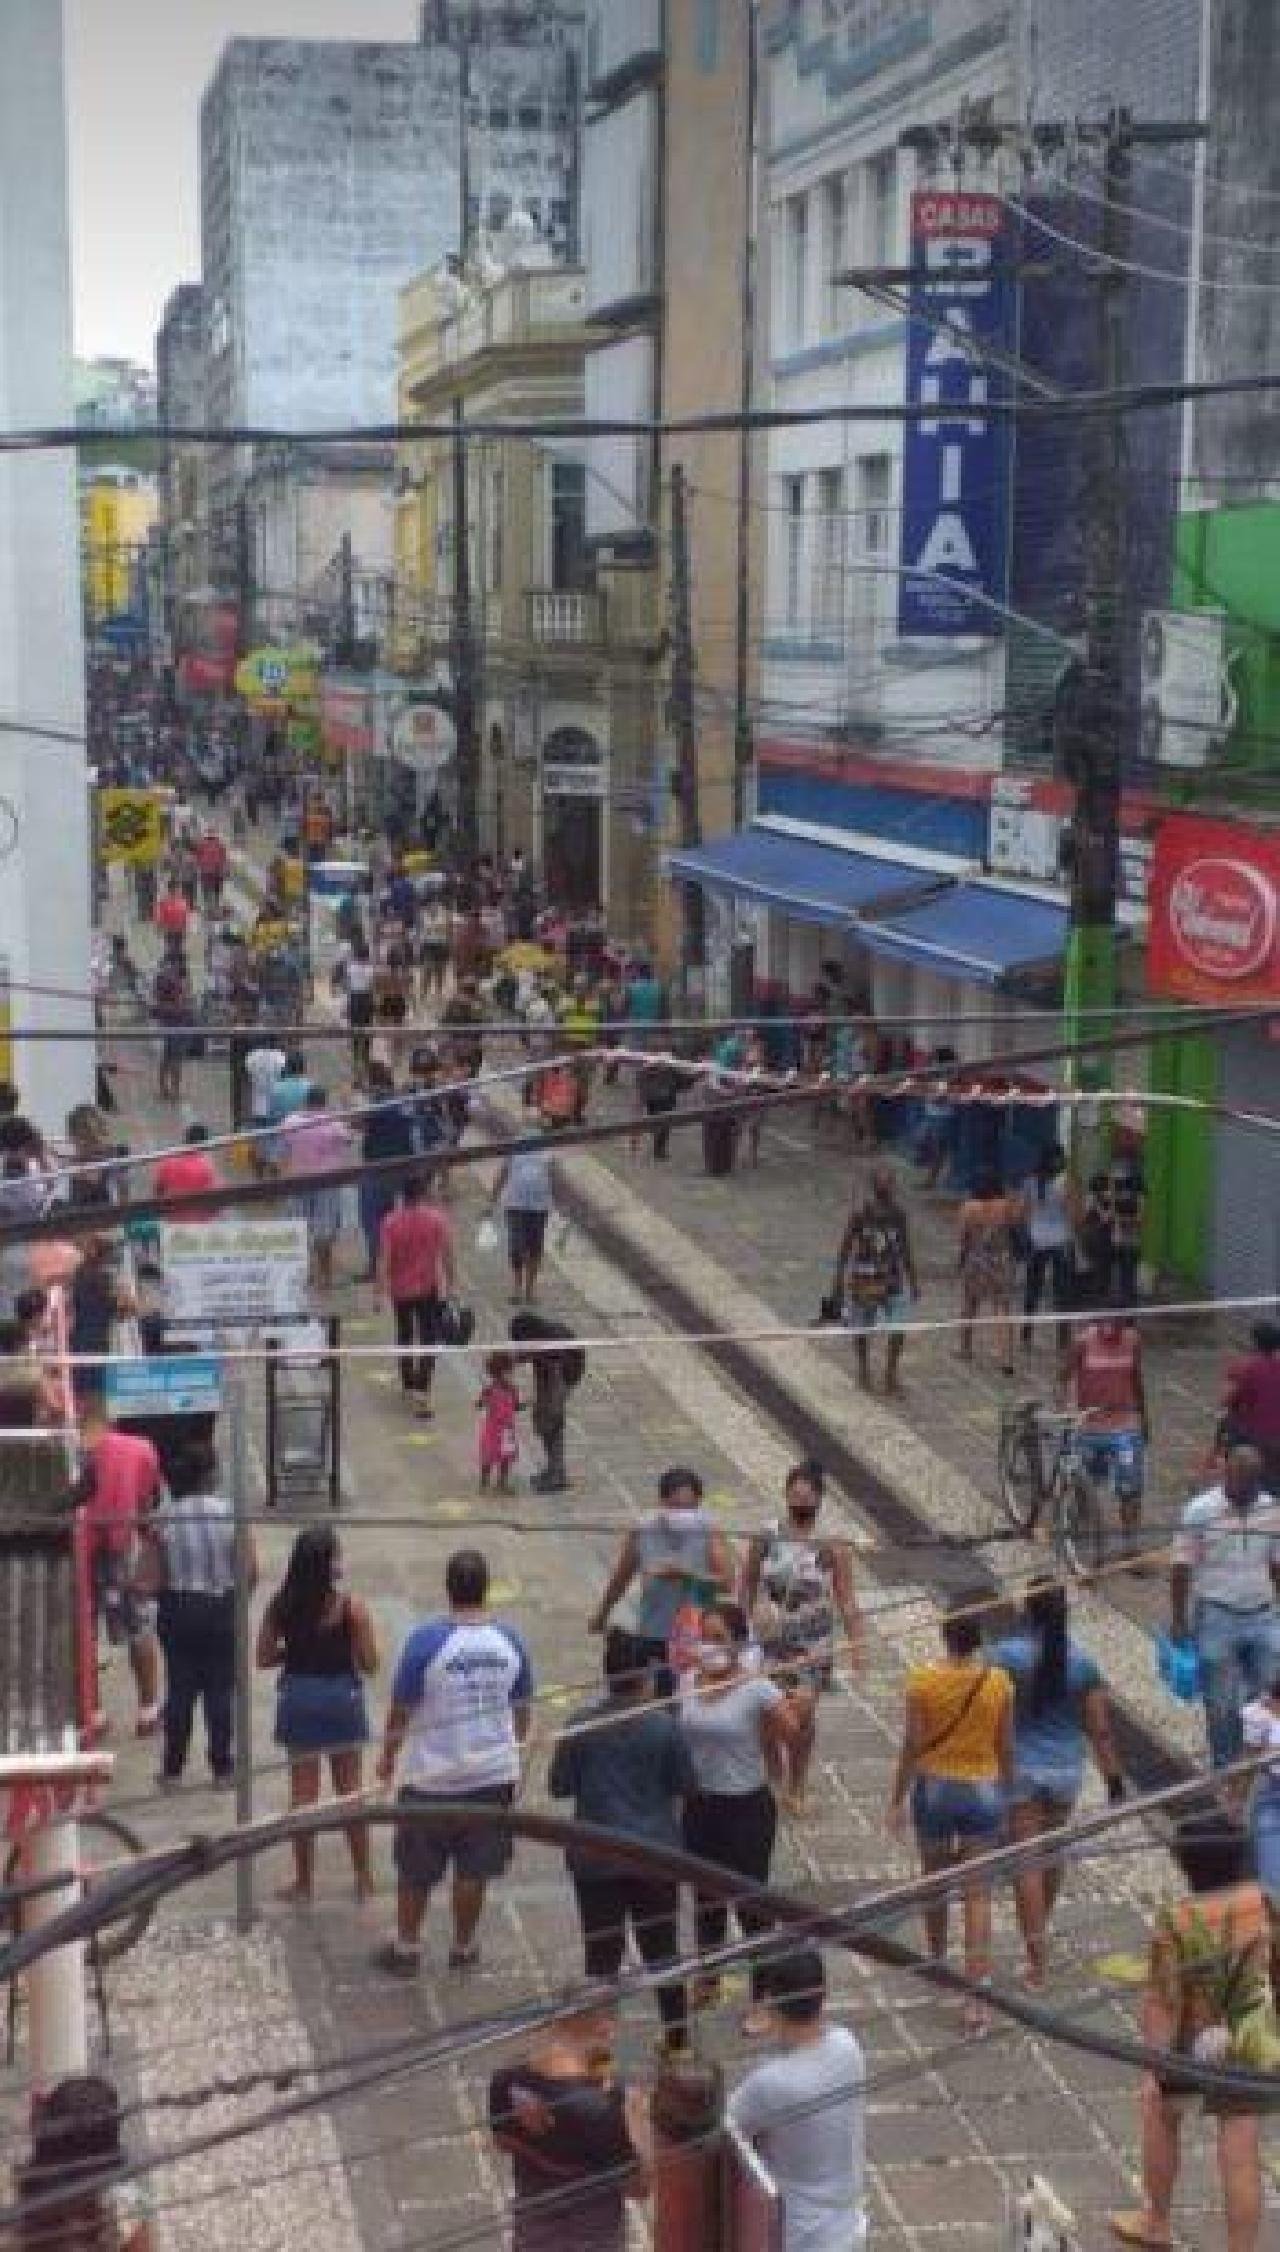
[(172, 913), (188, 1172), (120, 1482), (1103, 1374), (1253, 1401), (415, 1271), (211, 865)]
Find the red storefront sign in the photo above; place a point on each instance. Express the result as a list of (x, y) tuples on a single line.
[(346, 720), (1215, 913)]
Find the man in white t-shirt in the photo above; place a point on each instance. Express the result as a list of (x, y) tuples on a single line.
[(459, 1712), (1224, 1590), (804, 2109), (262, 1067)]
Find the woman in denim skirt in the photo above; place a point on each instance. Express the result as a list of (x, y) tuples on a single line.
[(324, 1644), (957, 1763)]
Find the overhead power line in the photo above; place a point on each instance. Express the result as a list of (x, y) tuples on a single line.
[(1125, 399)]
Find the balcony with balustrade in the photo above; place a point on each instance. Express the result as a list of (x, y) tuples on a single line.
[(564, 619)]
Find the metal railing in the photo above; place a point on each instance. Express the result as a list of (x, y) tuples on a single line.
[(564, 619)]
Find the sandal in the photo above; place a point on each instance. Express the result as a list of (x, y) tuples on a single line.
[(1136, 2228)]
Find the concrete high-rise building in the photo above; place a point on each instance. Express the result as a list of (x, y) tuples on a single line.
[(521, 69), (180, 388), (328, 176), (44, 819)]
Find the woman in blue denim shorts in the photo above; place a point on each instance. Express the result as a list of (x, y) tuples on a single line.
[(1060, 1707), (324, 1644), (956, 1762)]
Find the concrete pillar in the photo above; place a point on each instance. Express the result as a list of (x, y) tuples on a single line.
[(44, 812), (55, 1985)]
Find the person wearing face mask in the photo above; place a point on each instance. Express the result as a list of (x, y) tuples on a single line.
[(678, 1556), (795, 1587), (1223, 1592), (739, 1726)]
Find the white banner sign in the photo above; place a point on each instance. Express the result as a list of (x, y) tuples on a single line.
[(237, 1272)]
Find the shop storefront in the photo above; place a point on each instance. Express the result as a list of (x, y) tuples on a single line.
[(1214, 1184)]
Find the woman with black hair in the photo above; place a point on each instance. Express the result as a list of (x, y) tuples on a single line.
[(1210, 1995), (76, 2149), (324, 1644), (795, 1585), (1060, 1704), (953, 1769)]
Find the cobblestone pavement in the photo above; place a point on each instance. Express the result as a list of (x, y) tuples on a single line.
[(955, 2125)]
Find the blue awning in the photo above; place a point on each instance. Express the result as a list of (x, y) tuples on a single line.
[(812, 883), (973, 931)]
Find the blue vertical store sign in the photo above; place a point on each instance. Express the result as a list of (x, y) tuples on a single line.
[(955, 462)]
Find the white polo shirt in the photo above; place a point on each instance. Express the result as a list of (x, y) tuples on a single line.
[(1230, 1552)]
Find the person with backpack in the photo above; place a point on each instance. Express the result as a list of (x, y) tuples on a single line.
[(555, 1376)]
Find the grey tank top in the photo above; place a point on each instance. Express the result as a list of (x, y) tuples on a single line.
[(689, 1546)]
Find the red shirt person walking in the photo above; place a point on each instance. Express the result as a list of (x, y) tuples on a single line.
[(415, 1272)]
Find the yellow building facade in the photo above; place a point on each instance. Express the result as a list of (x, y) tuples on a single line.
[(511, 346), (118, 508)]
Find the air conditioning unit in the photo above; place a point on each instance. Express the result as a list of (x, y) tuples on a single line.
[(1188, 702)]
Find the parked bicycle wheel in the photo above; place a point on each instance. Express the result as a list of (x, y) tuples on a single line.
[(1080, 1528), (105, 1841), (1019, 1468)]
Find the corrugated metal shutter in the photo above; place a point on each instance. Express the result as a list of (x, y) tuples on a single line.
[(1246, 1219)]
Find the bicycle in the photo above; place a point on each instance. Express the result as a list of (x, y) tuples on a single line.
[(1040, 1461)]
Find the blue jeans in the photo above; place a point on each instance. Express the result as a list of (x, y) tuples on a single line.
[(1264, 1829), (948, 1812), (1239, 1658)]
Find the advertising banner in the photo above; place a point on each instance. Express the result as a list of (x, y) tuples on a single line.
[(1215, 913), (955, 462), (279, 680), (131, 827), (240, 1272), (164, 1384)]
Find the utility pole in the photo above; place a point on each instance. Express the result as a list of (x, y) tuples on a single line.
[(346, 599), (742, 746), (682, 722), (465, 686)]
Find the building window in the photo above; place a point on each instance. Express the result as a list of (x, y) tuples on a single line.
[(793, 523), (829, 573), (494, 559), (875, 591), (882, 208), (529, 118), (835, 244), (797, 267), (875, 486), (499, 117), (569, 573), (707, 34), (499, 212)]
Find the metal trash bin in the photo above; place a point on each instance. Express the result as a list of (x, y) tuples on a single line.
[(303, 1401)]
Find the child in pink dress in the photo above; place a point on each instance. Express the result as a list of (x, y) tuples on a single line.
[(499, 1404)]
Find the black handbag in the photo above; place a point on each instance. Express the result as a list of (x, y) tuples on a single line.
[(457, 1323)]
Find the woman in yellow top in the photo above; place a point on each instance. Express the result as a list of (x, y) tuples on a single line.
[(957, 1763)]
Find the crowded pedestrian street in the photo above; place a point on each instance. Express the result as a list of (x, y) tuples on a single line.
[(639, 1126)]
